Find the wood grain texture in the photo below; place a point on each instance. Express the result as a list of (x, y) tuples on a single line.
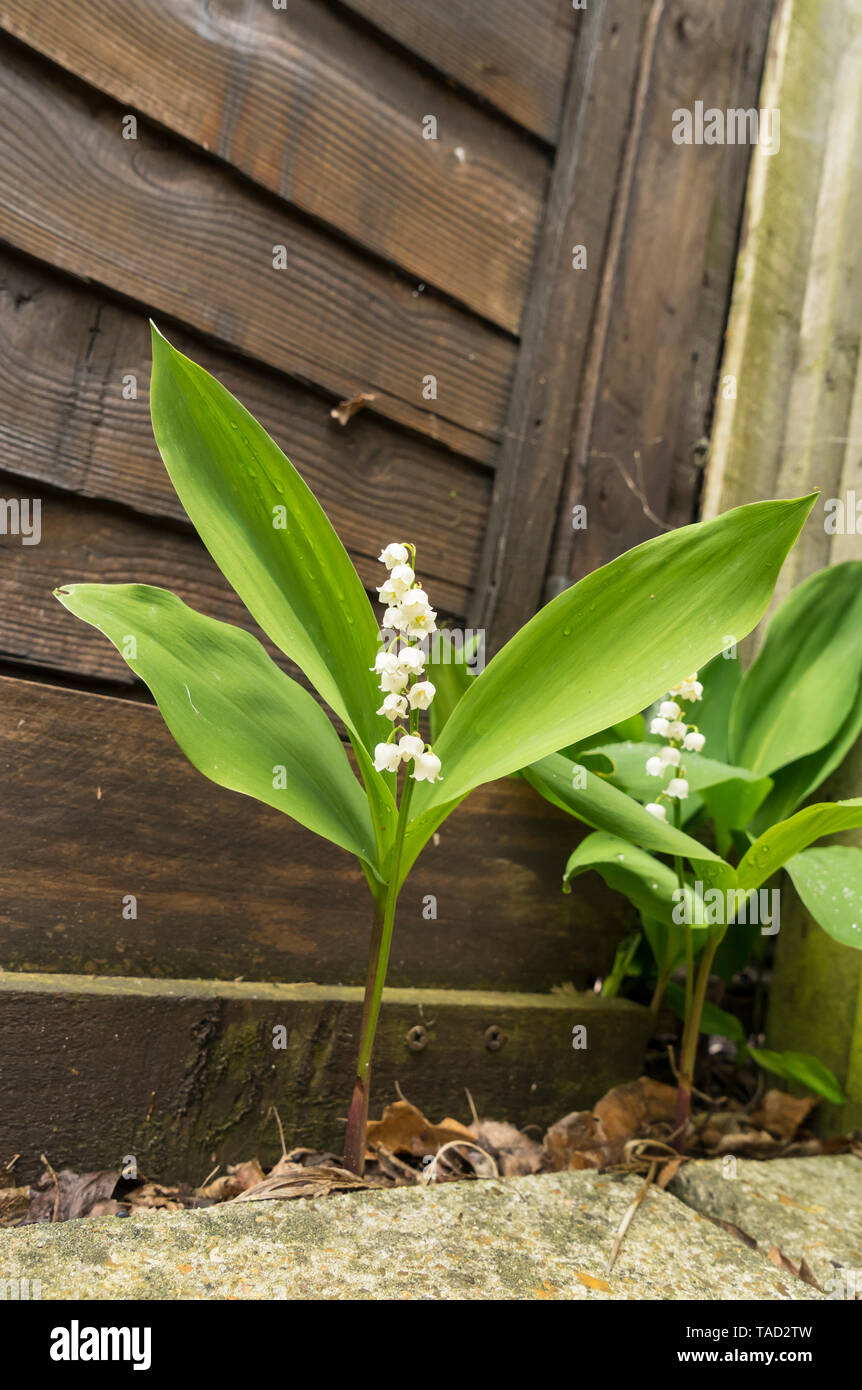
[(514, 54), (794, 339), (187, 239), (326, 118), (629, 431), (66, 356), (99, 803), (183, 1074), (559, 318)]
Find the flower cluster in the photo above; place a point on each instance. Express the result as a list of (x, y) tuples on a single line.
[(401, 666), (670, 723)]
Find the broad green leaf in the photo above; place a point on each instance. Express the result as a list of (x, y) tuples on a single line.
[(712, 1020), (237, 717), (782, 841), (268, 535), (614, 642), (451, 680), (645, 881), (733, 803), (630, 772), (794, 698), (795, 782), (801, 1067), (720, 679), (829, 882), (604, 807)]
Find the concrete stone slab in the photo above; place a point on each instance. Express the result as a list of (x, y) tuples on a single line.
[(544, 1237), (810, 1208)]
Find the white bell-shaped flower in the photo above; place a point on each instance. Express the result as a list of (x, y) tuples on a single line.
[(426, 768), (394, 707), (676, 729), (669, 709), (656, 809), (670, 757), (655, 767), (659, 726), (678, 787), (394, 554), (421, 694), (694, 741), (387, 757), (411, 747)]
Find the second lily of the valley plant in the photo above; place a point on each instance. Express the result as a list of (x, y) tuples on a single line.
[(605, 648)]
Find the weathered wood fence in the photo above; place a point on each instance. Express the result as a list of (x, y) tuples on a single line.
[(476, 215)]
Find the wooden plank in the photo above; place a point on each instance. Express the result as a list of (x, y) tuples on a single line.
[(326, 118), (794, 349), (182, 1074), (99, 803), (795, 331), (632, 422), (514, 54), (66, 357), (560, 311), (190, 240)]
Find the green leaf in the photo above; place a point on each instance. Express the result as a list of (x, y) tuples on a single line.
[(782, 841), (720, 679), (630, 772), (829, 882), (801, 1067), (794, 698), (795, 782), (298, 583), (451, 680), (712, 1020), (604, 807), (614, 642), (236, 716), (733, 803), (645, 881)]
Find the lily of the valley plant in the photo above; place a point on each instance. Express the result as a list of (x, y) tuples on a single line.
[(609, 646), (733, 759)]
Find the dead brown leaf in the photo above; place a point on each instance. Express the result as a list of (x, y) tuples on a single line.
[(513, 1151), (403, 1129), (345, 410), (69, 1194), (782, 1114), (304, 1182), (629, 1110), (802, 1270), (578, 1141)]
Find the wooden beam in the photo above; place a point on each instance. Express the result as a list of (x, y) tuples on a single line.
[(189, 240), (324, 117), (560, 308), (514, 55), (99, 803), (181, 1074)]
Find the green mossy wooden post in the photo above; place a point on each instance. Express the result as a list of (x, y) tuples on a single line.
[(789, 418)]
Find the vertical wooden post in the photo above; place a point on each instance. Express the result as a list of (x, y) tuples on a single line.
[(789, 417)]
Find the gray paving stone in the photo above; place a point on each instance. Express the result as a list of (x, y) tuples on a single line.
[(542, 1237), (810, 1208)]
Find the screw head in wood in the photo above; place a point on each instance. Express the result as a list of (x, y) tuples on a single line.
[(494, 1038)]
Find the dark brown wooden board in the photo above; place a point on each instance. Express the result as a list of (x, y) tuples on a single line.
[(66, 356), (99, 802), (192, 241), (513, 53), (563, 306), (326, 118), (181, 1075), (672, 265)]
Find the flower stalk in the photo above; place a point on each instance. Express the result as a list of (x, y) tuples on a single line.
[(400, 665)]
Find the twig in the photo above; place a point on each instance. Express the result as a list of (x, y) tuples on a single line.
[(627, 1219), (272, 1111), (472, 1106), (431, 1171), (56, 1212)]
